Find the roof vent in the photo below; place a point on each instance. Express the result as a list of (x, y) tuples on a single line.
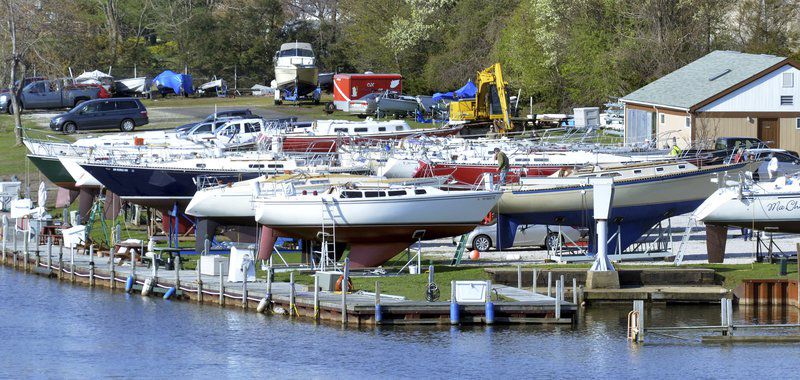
[(715, 77)]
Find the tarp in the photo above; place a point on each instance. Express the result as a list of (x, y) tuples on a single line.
[(179, 83), (92, 75), (467, 91)]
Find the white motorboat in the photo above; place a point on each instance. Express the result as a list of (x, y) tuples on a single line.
[(295, 69), (131, 86), (765, 206), (377, 222)]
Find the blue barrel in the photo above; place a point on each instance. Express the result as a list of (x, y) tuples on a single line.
[(489, 312), (170, 292), (129, 284), (454, 317), (378, 313)]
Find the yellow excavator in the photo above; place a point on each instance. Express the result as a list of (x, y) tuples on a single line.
[(491, 102)]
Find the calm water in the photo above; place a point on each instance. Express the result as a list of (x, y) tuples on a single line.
[(58, 330)]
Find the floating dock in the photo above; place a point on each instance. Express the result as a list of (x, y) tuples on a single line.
[(292, 300)]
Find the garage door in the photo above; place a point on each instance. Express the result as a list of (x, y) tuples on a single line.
[(638, 126)]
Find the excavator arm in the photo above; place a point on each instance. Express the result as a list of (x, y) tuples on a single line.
[(491, 97)]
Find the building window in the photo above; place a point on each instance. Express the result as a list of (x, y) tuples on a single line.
[(688, 122), (797, 123), (662, 118), (787, 100), (788, 80)]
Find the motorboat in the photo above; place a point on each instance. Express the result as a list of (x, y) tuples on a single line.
[(765, 206), (394, 104), (644, 194), (377, 222), (295, 70)]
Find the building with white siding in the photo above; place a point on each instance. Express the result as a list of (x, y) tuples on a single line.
[(723, 94)]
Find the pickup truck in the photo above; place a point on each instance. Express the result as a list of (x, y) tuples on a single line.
[(53, 94)]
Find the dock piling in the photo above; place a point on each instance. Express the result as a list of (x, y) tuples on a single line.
[(112, 276), (453, 304), (221, 287), (558, 299), (519, 276), (91, 274), (345, 289), (72, 264), (177, 272), (316, 298), (378, 314), (199, 283), (489, 304), (244, 284), (60, 261), (575, 291), (563, 283), (549, 283), (534, 277), (638, 310), (291, 293), (5, 231)]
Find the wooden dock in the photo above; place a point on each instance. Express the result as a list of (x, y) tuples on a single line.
[(292, 300)]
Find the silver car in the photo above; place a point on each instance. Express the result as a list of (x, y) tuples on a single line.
[(485, 236)]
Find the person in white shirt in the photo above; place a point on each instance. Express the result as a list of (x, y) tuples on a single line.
[(772, 167)]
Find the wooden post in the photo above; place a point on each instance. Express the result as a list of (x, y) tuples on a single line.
[(345, 289), (112, 274), (14, 243), (549, 283), (535, 276), (221, 287), (199, 282), (519, 276), (269, 284), (5, 231), (558, 299), (563, 283), (638, 307), (91, 273), (291, 293), (72, 264), (177, 273), (316, 298), (61, 261), (244, 286), (50, 253), (575, 291)]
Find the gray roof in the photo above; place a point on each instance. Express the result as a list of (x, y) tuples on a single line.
[(702, 79)]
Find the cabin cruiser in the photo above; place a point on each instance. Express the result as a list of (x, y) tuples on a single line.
[(765, 206), (643, 195), (377, 222), (295, 70)]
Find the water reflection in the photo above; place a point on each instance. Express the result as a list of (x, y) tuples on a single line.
[(96, 333)]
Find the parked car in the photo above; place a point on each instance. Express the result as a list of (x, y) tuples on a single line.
[(53, 94), (366, 105), (731, 143), (484, 237), (187, 129), (788, 162), (244, 113), (123, 113)]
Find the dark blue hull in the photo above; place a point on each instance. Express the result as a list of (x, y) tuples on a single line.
[(630, 221), (158, 187)]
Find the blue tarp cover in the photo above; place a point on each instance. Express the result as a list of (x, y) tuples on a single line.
[(468, 91), (176, 82)]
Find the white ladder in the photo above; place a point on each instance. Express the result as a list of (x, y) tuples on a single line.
[(687, 234), (327, 252)]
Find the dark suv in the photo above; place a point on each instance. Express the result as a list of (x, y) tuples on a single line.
[(123, 113)]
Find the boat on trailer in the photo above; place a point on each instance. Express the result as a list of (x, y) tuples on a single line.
[(377, 222)]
